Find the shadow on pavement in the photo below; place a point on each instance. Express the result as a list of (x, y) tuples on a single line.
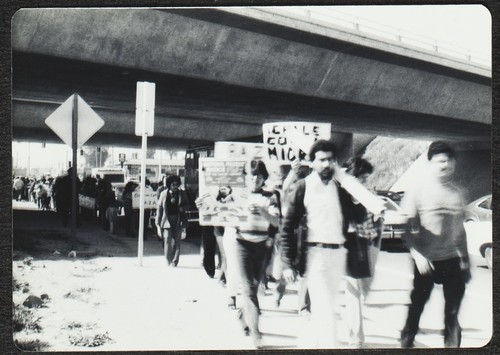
[(41, 234)]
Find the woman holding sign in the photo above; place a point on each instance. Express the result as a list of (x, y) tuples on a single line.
[(253, 240)]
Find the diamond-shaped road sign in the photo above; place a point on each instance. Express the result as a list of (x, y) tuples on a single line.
[(60, 121)]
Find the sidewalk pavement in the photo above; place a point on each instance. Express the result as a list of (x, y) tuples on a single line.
[(181, 308), (196, 317)]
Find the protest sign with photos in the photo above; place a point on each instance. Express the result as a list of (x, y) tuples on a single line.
[(228, 175)]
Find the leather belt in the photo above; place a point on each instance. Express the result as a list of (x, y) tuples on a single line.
[(325, 245)]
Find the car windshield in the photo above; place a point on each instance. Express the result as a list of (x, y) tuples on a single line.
[(115, 178), (389, 205), (486, 204)]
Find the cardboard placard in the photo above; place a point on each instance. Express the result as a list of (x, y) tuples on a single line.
[(240, 150), (214, 173), (150, 201), (86, 202), (286, 141)]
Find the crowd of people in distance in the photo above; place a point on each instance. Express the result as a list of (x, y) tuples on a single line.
[(38, 191), (54, 194)]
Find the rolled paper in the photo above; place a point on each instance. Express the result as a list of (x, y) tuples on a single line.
[(371, 202)]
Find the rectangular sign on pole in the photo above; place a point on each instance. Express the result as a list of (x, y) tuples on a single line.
[(145, 108)]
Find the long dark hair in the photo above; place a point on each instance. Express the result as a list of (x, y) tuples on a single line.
[(358, 166), (171, 179), (219, 195)]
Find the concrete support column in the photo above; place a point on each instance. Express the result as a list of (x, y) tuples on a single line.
[(344, 144)]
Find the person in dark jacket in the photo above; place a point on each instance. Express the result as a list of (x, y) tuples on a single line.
[(328, 208), (130, 225), (171, 218), (62, 193)]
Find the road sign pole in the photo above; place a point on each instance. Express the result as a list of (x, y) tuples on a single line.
[(74, 196), (144, 126), (141, 199)]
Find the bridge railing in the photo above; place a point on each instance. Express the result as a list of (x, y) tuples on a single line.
[(405, 37), (368, 27)]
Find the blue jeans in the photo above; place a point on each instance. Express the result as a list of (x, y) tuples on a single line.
[(251, 258)]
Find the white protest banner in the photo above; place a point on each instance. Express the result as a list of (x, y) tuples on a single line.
[(149, 199), (286, 141), (240, 150), (232, 174), (86, 202)]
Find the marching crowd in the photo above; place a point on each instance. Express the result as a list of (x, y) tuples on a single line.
[(319, 234), (316, 233)]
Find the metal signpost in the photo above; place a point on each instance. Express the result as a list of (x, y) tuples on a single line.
[(74, 122), (144, 126)]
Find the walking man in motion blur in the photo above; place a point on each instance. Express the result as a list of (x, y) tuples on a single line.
[(440, 249)]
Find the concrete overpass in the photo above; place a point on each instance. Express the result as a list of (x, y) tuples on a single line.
[(221, 73)]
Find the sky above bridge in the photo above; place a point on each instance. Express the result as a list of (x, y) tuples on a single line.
[(455, 28)]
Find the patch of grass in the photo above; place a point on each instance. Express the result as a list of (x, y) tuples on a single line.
[(89, 340), (85, 290), (78, 293), (16, 286), (25, 319), (31, 345), (73, 325)]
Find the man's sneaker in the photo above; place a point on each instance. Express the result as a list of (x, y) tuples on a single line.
[(305, 313), (257, 342), (231, 304)]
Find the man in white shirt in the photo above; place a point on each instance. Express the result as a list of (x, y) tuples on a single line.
[(328, 208)]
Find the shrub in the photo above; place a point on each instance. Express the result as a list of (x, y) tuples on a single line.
[(31, 345), (25, 319), (89, 340)]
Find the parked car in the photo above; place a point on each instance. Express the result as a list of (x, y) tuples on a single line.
[(478, 226), (394, 220), (479, 210), (393, 195)]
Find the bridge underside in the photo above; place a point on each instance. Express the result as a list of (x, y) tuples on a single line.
[(193, 112), (219, 76)]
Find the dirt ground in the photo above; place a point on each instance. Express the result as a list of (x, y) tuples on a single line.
[(99, 298)]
